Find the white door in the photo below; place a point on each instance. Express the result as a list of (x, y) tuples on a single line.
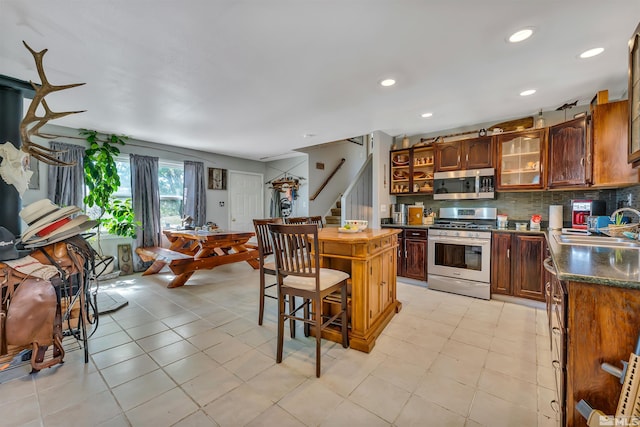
[(246, 192)]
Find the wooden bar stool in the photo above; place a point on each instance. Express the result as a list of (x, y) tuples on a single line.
[(299, 275)]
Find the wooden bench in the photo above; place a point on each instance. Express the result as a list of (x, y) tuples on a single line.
[(161, 257)]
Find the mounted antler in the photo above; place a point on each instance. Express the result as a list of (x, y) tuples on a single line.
[(41, 153)]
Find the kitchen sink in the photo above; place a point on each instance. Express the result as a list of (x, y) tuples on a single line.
[(601, 241)]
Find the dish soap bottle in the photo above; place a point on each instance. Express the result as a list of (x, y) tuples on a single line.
[(540, 122)]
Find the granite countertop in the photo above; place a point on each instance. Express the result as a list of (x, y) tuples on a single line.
[(592, 264)]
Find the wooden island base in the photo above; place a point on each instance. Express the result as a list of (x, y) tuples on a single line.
[(370, 258)]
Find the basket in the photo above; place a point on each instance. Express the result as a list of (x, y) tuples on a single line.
[(617, 230)]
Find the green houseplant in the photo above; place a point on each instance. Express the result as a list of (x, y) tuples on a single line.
[(102, 180)]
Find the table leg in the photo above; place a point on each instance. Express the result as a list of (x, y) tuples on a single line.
[(180, 279), (154, 268)]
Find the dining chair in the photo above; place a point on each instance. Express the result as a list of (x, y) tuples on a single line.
[(299, 274), (265, 249), (305, 220)]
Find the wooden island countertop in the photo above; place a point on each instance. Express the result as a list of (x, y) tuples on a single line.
[(370, 257)]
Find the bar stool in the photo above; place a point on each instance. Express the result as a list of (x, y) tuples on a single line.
[(299, 274)]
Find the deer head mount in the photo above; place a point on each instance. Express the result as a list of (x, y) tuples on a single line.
[(32, 123)]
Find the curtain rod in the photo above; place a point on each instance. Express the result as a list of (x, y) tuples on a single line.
[(133, 144)]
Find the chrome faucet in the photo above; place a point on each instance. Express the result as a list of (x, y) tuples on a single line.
[(617, 211)]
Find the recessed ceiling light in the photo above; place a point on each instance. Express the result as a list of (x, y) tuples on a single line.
[(527, 92), (425, 115), (387, 82), (591, 52), (521, 35)]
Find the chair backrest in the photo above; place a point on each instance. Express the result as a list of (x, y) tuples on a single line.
[(297, 220), (317, 220), (265, 247), (296, 249)]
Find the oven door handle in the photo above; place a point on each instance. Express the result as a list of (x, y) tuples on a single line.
[(458, 240)]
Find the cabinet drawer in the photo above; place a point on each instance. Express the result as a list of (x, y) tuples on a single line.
[(415, 234)]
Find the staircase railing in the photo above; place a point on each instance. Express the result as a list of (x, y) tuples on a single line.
[(357, 200), (326, 181)]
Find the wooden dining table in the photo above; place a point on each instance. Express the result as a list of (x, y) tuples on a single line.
[(192, 250)]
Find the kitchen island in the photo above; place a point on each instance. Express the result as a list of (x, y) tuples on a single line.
[(369, 256), (594, 318)]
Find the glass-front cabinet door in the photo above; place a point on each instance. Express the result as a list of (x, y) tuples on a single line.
[(521, 157)]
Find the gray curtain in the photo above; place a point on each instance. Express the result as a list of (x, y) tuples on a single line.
[(194, 197), (66, 184), (145, 195)]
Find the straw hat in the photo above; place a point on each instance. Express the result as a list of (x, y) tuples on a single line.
[(81, 221), (58, 236), (45, 214)]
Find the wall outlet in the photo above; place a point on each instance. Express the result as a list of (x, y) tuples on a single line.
[(629, 199), (383, 208), (221, 204)]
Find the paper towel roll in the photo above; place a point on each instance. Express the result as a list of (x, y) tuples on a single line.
[(555, 217)]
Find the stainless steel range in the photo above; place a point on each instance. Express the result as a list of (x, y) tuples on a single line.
[(459, 251)]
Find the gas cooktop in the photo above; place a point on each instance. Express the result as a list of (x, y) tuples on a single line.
[(462, 225)]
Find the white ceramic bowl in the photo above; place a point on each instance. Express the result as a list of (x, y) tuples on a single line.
[(359, 223)]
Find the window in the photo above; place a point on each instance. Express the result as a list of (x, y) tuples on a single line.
[(170, 182)]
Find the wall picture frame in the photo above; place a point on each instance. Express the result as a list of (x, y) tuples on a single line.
[(217, 179)]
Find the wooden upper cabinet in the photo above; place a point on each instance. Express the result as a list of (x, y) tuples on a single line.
[(476, 153), (521, 160), (610, 133), (448, 156), (569, 154)]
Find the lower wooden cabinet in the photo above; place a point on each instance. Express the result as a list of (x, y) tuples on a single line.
[(412, 254), (516, 265)]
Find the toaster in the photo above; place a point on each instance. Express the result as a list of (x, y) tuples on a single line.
[(595, 222)]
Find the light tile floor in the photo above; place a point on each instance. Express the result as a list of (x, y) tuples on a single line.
[(195, 356)]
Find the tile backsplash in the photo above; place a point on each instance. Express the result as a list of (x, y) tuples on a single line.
[(521, 205)]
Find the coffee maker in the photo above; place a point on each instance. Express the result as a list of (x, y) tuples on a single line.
[(399, 213), (581, 210)]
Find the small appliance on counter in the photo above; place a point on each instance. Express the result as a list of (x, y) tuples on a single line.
[(399, 213), (555, 217), (503, 221), (596, 222), (415, 214), (582, 209)]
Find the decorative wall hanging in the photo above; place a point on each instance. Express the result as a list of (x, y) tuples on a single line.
[(217, 179)]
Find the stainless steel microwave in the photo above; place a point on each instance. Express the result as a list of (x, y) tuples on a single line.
[(464, 184)]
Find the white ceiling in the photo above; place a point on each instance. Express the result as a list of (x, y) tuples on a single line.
[(250, 78)]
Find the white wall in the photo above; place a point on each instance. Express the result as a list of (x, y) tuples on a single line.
[(330, 154), (379, 146)]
